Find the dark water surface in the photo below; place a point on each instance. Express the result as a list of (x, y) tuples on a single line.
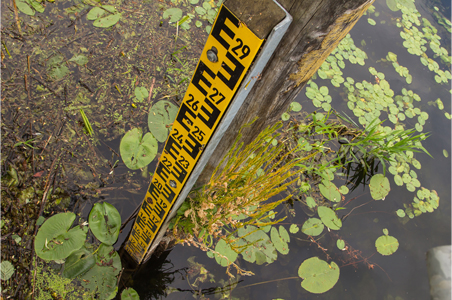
[(402, 275)]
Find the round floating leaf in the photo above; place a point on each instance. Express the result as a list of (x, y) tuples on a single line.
[(343, 190), (445, 153), (55, 241), (281, 239), (105, 221), (260, 248), (410, 187), (440, 104), (137, 152), (330, 191), (329, 218), (23, 6), (225, 250), (311, 202), (7, 270), (416, 163), (400, 213), (406, 178), (141, 93), (285, 116), (97, 12), (340, 244), (379, 186), (398, 180), (312, 226), (161, 115), (78, 263), (107, 21), (175, 14), (102, 277), (323, 90), (371, 21), (318, 276), (391, 57), (386, 244), (326, 106), (295, 106), (130, 293), (294, 228)]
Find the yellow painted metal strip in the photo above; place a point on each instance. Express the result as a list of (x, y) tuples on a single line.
[(208, 96)]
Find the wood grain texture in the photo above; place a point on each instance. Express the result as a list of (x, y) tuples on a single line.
[(317, 27), (259, 15)]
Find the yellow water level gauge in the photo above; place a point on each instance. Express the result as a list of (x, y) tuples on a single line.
[(230, 50)]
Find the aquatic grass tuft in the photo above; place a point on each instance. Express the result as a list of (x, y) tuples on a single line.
[(237, 194)]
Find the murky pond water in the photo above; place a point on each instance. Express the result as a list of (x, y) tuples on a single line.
[(44, 88), (402, 275)]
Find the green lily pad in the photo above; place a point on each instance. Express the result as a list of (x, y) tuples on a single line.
[(105, 221), (78, 263), (95, 13), (343, 190), (285, 116), (311, 202), (138, 152), (323, 90), (379, 186), (55, 240), (318, 276), (102, 277), (398, 180), (107, 21), (295, 106), (371, 21), (340, 244), (329, 218), (161, 115), (386, 244), (313, 227), (401, 213), (175, 14), (330, 191), (281, 239), (225, 250), (29, 7), (129, 294), (141, 93), (259, 248), (7, 270), (294, 228)]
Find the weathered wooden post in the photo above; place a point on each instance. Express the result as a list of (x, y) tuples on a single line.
[(317, 28), (236, 81)]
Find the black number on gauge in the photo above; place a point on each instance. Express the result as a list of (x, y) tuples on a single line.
[(245, 49)]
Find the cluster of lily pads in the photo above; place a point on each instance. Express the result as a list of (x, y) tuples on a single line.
[(255, 245), (416, 41), (104, 16), (96, 266), (371, 101), (137, 151), (204, 10)]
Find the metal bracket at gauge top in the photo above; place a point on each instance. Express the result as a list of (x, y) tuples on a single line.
[(219, 86)]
